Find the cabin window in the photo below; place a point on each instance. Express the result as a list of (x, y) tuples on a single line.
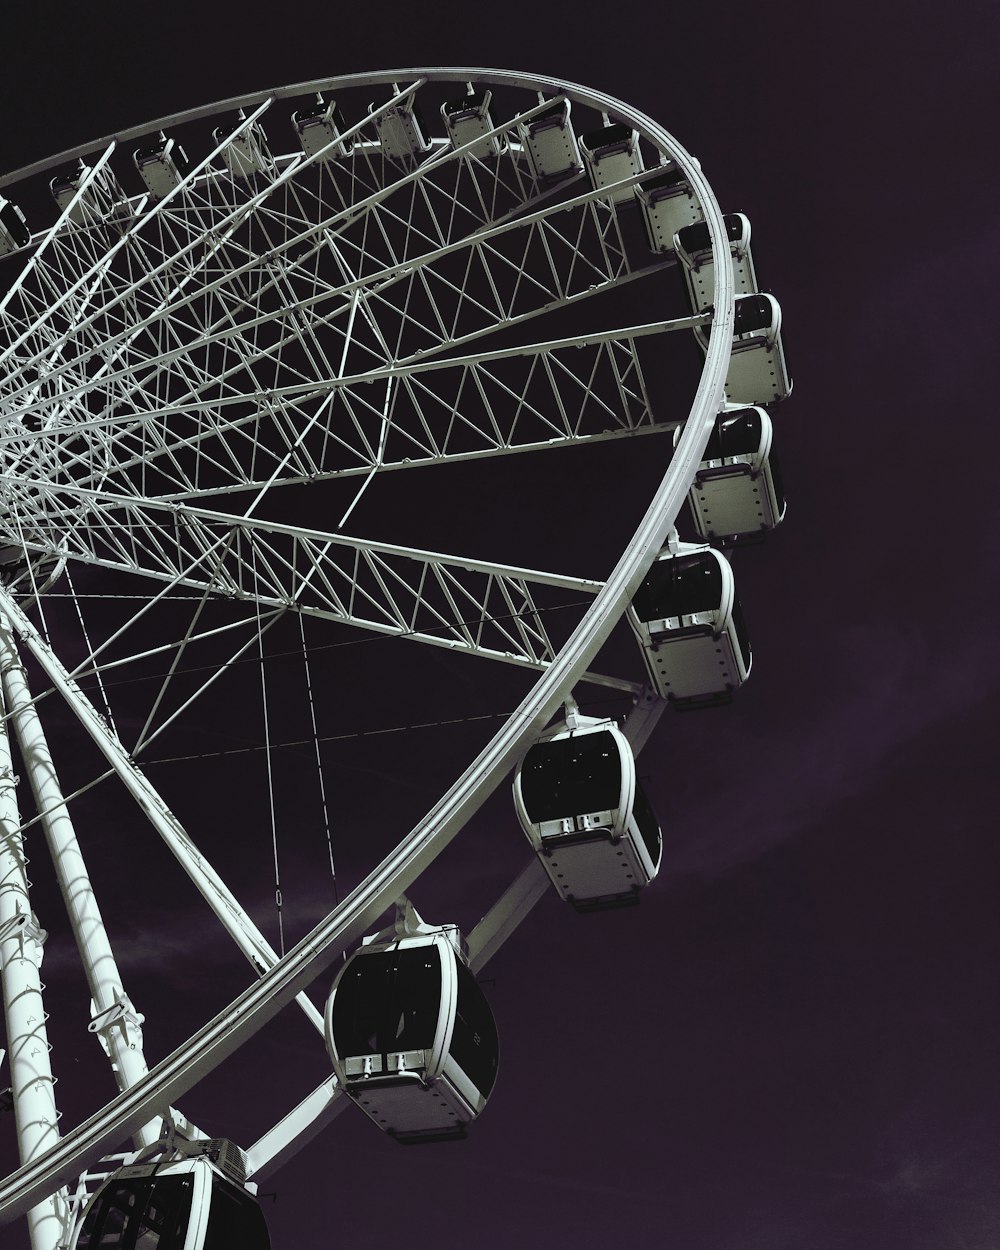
[(571, 777), (680, 586), (235, 1221), (140, 1213), (465, 103), (474, 1042), (738, 434), (753, 312), (598, 140), (388, 1002)]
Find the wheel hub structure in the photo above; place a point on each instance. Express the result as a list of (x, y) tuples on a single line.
[(391, 351)]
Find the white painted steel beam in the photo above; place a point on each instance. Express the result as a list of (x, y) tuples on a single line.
[(115, 1019), (31, 1079)]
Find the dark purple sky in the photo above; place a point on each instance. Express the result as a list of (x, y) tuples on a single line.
[(791, 1044)]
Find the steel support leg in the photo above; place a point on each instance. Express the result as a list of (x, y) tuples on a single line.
[(27, 1043), (114, 1019)]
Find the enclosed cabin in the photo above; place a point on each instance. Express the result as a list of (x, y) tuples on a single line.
[(14, 232), (694, 250), (25, 572), (737, 495), (319, 128), (467, 119), (758, 373), (688, 620), (550, 142), (402, 133), (578, 799), (667, 204), (613, 154), (162, 165), (410, 1033), (98, 196), (187, 1204), (244, 151)]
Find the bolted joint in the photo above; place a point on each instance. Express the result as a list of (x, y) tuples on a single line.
[(24, 927), (119, 1022)]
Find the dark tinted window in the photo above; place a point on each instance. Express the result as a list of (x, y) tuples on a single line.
[(547, 116), (753, 312), (465, 103), (594, 140), (140, 1213), (678, 586), (739, 433), (11, 218), (154, 149), (695, 238), (474, 1045), (388, 1001), (235, 1221), (316, 109), (646, 823), (571, 777)]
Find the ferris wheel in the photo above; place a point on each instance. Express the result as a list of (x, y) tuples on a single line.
[(231, 336)]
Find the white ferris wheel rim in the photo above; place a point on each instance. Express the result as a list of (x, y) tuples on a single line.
[(84, 1145)]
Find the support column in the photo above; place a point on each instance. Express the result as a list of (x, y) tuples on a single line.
[(27, 1044), (115, 1020)]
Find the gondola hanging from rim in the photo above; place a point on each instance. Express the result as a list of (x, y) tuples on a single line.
[(579, 802), (409, 1032), (738, 495), (192, 1203), (689, 622)]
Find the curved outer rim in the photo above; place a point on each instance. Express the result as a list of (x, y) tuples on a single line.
[(83, 1146)]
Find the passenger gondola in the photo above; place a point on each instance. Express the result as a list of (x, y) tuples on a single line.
[(694, 250), (668, 204), (737, 495), (197, 1203), (688, 619), (14, 232), (318, 128), (97, 199), (578, 799), (551, 143), (758, 373), (410, 1033), (247, 154), (467, 118), (401, 130), (162, 165), (613, 154)]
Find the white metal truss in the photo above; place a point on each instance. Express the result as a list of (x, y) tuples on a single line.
[(168, 365)]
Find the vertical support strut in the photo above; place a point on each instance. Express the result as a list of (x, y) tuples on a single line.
[(114, 1019), (28, 1047)]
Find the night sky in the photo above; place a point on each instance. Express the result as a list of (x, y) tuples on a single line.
[(790, 1044)]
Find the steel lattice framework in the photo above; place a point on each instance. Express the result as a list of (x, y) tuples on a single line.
[(178, 374)]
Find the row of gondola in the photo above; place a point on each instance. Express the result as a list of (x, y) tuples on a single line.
[(410, 1034)]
